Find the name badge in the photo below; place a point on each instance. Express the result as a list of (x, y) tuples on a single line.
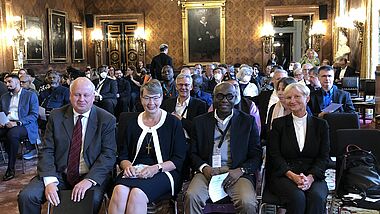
[(217, 160)]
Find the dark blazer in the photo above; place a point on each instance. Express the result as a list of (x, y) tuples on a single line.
[(54, 97), (196, 107), (245, 146), (158, 62), (339, 96), (109, 88), (27, 111), (123, 87), (204, 96), (350, 72), (283, 150), (99, 143)]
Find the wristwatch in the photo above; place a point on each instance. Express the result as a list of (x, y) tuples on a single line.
[(243, 170), (19, 123), (159, 167)]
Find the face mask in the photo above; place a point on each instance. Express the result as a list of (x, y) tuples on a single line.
[(103, 75), (218, 76), (246, 78)]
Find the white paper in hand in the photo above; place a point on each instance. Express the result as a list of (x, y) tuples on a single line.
[(3, 119), (215, 188)]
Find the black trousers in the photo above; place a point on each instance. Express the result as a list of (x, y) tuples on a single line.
[(12, 137), (31, 198), (311, 201)]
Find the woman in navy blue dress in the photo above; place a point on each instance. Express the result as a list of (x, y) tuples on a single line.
[(151, 156)]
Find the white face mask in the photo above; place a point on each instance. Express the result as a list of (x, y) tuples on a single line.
[(218, 76), (103, 75)]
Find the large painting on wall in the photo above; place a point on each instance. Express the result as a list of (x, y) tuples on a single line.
[(58, 44), (77, 42), (203, 28), (33, 40)]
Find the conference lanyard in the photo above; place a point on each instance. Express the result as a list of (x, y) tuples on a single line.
[(223, 133)]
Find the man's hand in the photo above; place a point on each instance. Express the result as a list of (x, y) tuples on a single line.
[(80, 189), (11, 124), (207, 172), (320, 115), (51, 194), (232, 178)]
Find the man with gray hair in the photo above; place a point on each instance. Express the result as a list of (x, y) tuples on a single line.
[(185, 108), (159, 61)]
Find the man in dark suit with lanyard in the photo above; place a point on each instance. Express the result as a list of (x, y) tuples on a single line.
[(225, 140), (79, 152), (185, 108)]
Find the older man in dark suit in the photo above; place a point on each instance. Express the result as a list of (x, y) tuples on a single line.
[(79, 152), (225, 140), (328, 94), (21, 108)]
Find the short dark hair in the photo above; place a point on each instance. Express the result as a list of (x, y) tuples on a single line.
[(325, 68), (286, 81), (13, 76)]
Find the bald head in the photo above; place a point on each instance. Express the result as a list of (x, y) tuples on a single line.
[(82, 94)]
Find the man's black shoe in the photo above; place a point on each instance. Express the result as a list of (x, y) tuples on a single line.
[(9, 175)]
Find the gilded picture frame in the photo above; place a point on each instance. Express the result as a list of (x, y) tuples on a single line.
[(58, 39), (203, 27), (34, 37), (77, 42)]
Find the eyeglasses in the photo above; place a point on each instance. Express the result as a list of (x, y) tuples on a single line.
[(23, 81), (180, 85), (222, 96), (154, 98)]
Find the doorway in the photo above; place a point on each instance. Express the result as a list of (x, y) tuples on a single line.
[(282, 46)]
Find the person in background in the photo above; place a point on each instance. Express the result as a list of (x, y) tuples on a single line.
[(310, 57), (314, 81), (55, 96), (111, 72), (273, 59), (197, 91), (168, 84), (123, 93), (305, 71), (159, 61), (298, 75), (247, 89), (207, 76), (344, 70), (106, 90), (217, 76), (25, 82), (198, 69), (134, 81), (325, 62)]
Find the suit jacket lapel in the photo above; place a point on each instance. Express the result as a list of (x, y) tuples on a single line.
[(210, 124), (233, 137), (320, 99), (291, 132), (309, 132), (68, 122), (91, 128), (190, 109)]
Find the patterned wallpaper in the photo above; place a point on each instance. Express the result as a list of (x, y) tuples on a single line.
[(243, 19), (38, 8)]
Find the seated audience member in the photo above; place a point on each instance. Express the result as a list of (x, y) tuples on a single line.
[(325, 62), (134, 80), (197, 69), (247, 89), (25, 82), (185, 108), (106, 90), (310, 57), (280, 109), (197, 91), (217, 75), (256, 79), (298, 152), (23, 72), (123, 93), (344, 70), (21, 108), (230, 138), (55, 95), (305, 71), (79, 152), (168, 84), (328, 94), (298, 75), (265, 79), (207, 77), (111, 72), (151, 155), (314, 81), (185, 70)]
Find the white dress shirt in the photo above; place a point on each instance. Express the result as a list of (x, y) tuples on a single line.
[(300, 125), (13, 106), (83, 168)]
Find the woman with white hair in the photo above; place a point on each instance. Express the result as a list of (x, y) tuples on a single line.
[(297, 154), (247, 88)]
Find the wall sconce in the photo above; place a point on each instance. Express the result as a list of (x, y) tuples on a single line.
[(97, 38), (16, 39), (317, 32), (267, 35), (140, 38), (355, 20)]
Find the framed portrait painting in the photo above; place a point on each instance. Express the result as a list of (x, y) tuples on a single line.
[(58, 44), (33, 40), (77, 42), (203, 26)]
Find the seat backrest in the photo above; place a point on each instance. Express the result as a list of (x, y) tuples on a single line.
[(351, 85), (121, 128), (370, 86), (339, 121), (367, 139)]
